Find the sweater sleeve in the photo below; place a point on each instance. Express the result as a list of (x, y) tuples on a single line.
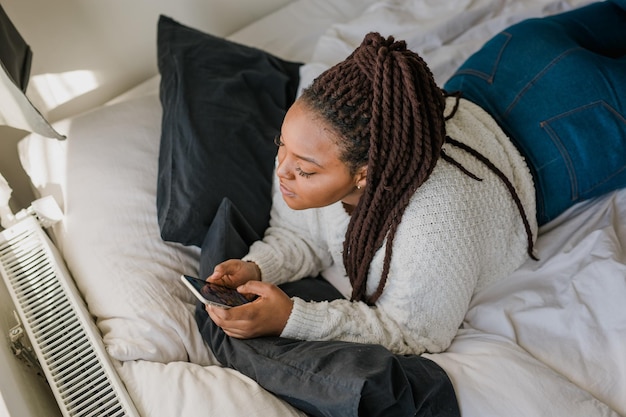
[(434, 270), (291, 248)]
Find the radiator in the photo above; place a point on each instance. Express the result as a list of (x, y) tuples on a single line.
[(67, 344)]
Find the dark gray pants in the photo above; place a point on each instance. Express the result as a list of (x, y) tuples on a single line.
[(329, 378)]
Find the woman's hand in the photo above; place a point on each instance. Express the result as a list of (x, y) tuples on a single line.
[(267, 315), (235, 272)]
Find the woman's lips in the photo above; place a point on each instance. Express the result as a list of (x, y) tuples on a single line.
[(286, 191)]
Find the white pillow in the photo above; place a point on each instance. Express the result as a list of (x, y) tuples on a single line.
[(186, 389), (110, 239)]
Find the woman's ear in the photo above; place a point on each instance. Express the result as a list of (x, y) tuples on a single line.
[(361, 177)]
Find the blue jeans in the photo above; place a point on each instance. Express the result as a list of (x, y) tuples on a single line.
[(557, 87)]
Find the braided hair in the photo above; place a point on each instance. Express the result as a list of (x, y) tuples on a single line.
[(388, 111)]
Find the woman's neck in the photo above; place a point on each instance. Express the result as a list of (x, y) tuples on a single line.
[(348, 208)]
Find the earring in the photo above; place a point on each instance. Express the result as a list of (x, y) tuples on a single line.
[(358, 187)]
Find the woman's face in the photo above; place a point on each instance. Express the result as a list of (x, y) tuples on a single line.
[(309, 169)]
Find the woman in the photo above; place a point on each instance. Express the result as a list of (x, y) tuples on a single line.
[(408, 200)]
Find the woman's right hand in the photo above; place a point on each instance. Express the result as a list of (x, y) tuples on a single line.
[(235, 272)]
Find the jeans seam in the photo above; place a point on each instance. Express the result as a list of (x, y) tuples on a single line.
[(489, 76), (566, 159), (534, 80)]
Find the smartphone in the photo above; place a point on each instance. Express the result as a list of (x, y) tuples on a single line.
[(214, 294)]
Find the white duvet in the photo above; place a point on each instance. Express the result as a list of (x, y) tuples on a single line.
[(549, 340)]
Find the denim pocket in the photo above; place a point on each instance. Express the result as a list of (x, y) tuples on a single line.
[(595, 164)]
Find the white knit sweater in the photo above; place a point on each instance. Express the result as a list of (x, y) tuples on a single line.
[(456, 236)]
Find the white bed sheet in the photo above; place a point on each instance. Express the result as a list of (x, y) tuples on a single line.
[(549, 340)]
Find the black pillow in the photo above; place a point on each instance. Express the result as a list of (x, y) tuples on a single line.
[(229, 236), (223, 104)]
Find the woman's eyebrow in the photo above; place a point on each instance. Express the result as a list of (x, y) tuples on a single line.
[(308, 159), (304, 158)]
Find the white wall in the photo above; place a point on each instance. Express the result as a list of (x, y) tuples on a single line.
[(112, 43), (10, 168), (99, 49), (115, 39)]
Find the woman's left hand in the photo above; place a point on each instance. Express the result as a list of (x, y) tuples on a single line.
[(267, 315)]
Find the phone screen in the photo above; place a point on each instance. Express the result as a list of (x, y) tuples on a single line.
[(214, 294)]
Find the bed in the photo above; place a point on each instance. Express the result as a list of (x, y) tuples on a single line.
[(548, 340)]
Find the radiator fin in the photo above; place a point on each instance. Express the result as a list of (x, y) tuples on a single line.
[(66, 349)]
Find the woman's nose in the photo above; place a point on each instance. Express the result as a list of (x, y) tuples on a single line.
[(283, 170)]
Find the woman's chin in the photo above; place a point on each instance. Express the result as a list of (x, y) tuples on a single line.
[(293, 203)]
